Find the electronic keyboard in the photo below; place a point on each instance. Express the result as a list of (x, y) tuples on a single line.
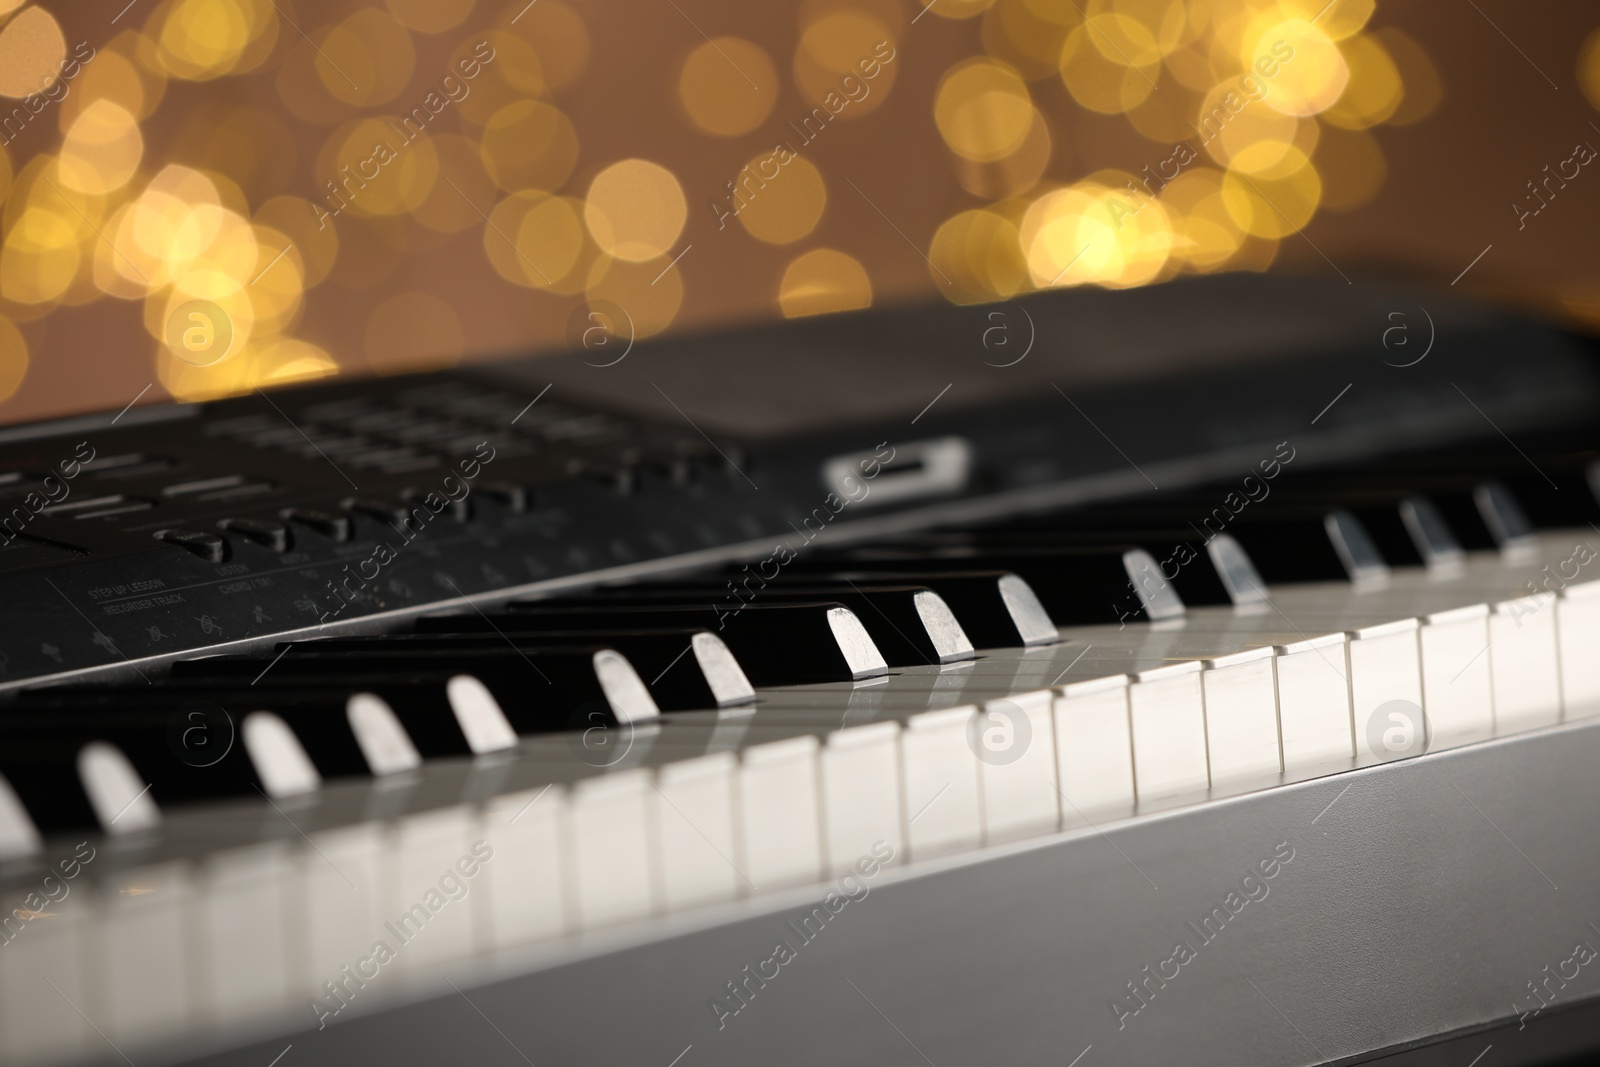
[(1173, 672)]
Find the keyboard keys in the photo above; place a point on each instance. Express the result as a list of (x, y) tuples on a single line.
[(684, 668), (775, 644)]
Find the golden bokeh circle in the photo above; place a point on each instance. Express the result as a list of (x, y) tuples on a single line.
[(983, 110), (728, 86), (822, 281), (779, 197), (529, 144), (976, 256), (32, 48), (101, 150), (430, 16), (648, 293), (635, 210), (845, 64), (1375, 91)]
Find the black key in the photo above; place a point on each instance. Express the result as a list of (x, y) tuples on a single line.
[(44, 772), (776, 644), (539, 690), (1328, 548), (204, 721), (684, 669), (911, 625), (1180, 556), (996, 608), (142, 735), (1075, 584), (441, 719)]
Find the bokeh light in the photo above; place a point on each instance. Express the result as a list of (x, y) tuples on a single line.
[(393, 184), (32, 48), (635, 210), (784, 208), (823, 280), (728, 86)]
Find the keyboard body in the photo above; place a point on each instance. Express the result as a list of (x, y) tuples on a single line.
[(1411, 906)]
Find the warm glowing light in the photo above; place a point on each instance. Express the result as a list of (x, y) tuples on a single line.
[(1311, 71), (13, 359), (203, 39), (728, 86), (377, 171), (537, 240), (1029, 39), (648, 293), (367, 59), (558, 33), (1092, 232), (1205, 235), (1016, 173), (1374, 92), (1098, 83), (316, 243), (39, 258), (430, 16), (101, 150), (983, 110), (976, 256), (635, 209), (31, 51), (846, 63), (779, 202), (823, 280), (1274, 206), (529, 144)]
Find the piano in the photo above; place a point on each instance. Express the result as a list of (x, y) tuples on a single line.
[(1195, 686)]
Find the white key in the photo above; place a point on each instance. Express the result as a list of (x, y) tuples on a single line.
[(1242, 715), (608, 845), (1019, 776), (247, 970), (1094, 749), (1167, 709), (525, 883), (861, 793), (430, 903), (1457, 692), (1578, 626), (1314, 702), (1385, 666), (695, 832), (147, 920), (781, 811), (344, 871), (1527, 675), (48, 973), (941, 783)]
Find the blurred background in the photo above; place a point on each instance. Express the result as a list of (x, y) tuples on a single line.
[(201, 197)]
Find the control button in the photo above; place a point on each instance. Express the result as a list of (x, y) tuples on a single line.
[(622, 478), (382, 510), (459, 510), (213, 548), (326, 523), (264, 532), (514, 496)]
